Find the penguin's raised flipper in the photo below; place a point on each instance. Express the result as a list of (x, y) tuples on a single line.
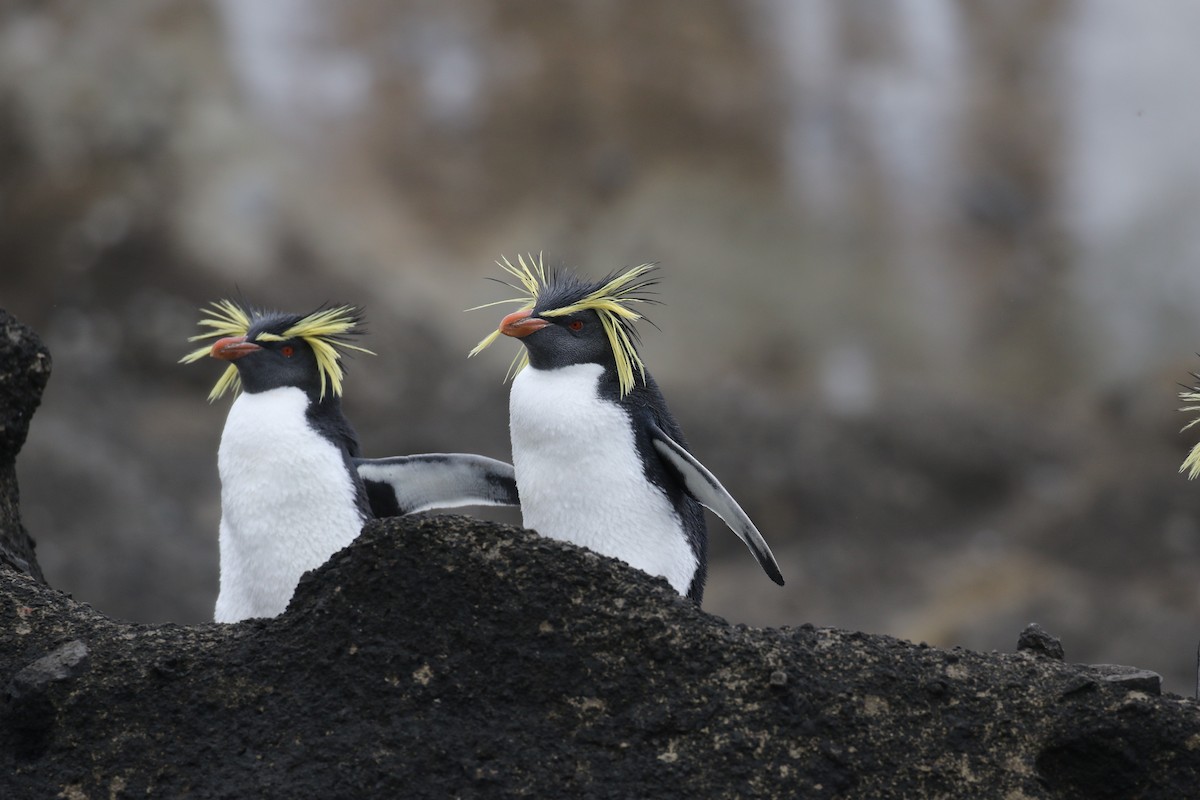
[(407, 484), (709, 492)]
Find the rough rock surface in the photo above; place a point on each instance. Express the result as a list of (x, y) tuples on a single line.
[(449, 657), (24, 370)]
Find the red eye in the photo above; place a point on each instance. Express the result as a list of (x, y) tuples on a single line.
[(575, 324), (287, 350)]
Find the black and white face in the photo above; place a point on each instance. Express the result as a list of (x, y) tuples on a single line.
[(560, 341), (266, 365)]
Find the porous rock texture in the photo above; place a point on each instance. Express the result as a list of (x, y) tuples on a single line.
[(24, 370), (449, 657)]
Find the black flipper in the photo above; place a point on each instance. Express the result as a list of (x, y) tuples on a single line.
[(407, 484), (709, 492)]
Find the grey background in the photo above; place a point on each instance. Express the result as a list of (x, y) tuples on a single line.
[(929, 272)]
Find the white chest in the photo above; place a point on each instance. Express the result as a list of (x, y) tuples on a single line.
[(287, 503), (581, 479)]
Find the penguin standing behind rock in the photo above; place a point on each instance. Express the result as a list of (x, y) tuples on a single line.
[(293, 488), (599, 459)]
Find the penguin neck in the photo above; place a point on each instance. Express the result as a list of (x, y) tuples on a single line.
[(323, 415), (602, 375), (329, 406), (265, 377)]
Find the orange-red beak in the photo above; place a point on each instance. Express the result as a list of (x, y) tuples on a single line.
[(521, 323), (231, 348)]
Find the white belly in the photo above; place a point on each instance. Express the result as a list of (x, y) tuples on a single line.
[(287, 503), (581, 479)]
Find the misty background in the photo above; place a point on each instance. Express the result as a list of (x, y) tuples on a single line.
[(930, 273)]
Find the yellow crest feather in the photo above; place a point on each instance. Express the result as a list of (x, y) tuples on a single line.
[(1191, 464), (322, 330), (610, 300)]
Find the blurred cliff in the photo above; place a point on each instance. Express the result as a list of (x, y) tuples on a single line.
[(928, 274)]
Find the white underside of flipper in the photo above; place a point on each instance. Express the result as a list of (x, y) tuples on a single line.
[(581, 479), (287, 503), (440, 480)]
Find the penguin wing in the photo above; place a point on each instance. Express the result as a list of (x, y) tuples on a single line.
[(709, 492), (407, 484)]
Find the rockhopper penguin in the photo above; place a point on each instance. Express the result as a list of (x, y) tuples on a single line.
[(293, 488), (599, 459)]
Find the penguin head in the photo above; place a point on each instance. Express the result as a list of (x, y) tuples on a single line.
[(270, 363), (269, 350), (552, 342), (569, 320)]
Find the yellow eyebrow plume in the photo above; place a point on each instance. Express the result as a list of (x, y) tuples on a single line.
[(1191, 464)]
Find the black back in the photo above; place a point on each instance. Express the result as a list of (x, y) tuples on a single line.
[(645, 404), (326, 418)]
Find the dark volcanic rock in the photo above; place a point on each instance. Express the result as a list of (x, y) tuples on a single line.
[(1034, 639), (24, 370), (1142, 680), (66, 662), (449, 657)]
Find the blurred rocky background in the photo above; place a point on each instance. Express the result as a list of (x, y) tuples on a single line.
[(929, 272)]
